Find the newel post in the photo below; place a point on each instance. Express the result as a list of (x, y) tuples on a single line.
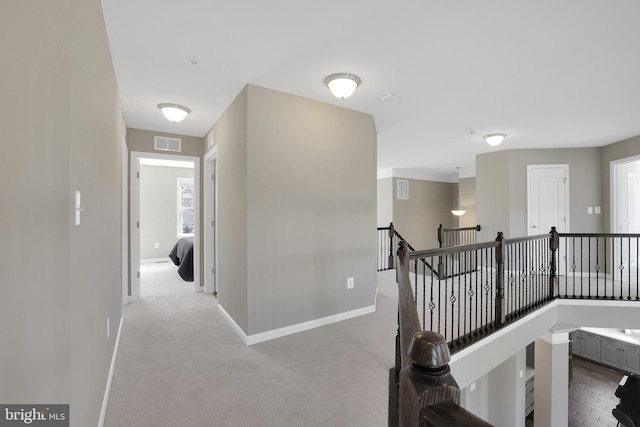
[(427, 379), (392, 233), (440, 236), (554, 245), (500, 302)]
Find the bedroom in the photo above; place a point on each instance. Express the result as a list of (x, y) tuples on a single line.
[(167, 223)]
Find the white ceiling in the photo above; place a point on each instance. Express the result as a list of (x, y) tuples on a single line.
[(548, 73)]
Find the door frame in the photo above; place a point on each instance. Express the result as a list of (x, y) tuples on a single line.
[(134, 219), (125, 221), (211, 166), (564, 167), (613, 190)]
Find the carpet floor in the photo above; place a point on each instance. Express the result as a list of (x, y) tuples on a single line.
[(181, 364)]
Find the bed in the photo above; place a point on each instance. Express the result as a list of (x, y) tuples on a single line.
[(182, 256)]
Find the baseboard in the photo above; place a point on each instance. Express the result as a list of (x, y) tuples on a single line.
[(293, 329), (105, 400), (155, 260), (238, 330)]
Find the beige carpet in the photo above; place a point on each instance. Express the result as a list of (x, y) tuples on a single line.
[(180, 364)]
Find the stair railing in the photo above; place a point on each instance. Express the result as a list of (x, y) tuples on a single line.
[(423, 393)]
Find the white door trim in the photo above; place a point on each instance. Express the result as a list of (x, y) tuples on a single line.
[(210, 214), (613, 190), (135, 217), (125, 222)]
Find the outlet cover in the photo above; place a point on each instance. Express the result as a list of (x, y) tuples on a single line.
[(350, 283), (108, 329)]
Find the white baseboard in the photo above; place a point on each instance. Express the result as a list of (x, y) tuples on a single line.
[(155, 260), (105, 400), (288, 330)]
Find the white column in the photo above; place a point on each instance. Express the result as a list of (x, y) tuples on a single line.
[(551, 408)]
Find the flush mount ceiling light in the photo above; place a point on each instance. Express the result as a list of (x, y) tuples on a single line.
[(174, 112), (494, 139), (342, 85)]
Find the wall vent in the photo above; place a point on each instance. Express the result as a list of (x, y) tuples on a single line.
[(163, 143), (403, 189)]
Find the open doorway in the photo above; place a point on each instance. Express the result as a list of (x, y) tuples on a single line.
[(625, 211), (164, 216)]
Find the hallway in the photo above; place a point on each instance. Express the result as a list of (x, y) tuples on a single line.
[(180, 364)]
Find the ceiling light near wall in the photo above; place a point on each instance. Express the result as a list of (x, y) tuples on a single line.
[(342, 85), (494, 139), (174, 112)]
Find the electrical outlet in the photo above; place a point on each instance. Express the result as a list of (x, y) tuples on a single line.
[(156, 245), (350, 283), (472, 387), (108, 329)]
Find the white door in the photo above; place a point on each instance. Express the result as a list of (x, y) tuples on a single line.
[(548, 195), (548, 201), (211, 222)]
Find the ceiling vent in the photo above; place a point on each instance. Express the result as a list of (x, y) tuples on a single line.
[(403, 189), (162, 143)]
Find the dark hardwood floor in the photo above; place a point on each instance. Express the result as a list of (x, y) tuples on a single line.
[(591, 394)]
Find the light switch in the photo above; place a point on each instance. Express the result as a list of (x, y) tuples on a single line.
[(78, 207), (597, 210), (590, 210)]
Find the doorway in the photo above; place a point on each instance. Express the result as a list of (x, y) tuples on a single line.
[(174, 229), (625, 209), (211, 222), (624, 195), (548, 201), (547, 198)]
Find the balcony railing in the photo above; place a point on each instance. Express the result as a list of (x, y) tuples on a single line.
[(476, 289)]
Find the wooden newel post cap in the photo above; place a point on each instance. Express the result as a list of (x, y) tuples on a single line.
[(429, 350), (403, 245)]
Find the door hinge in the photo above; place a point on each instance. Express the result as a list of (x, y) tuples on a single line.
[(213, 223), (213, 270), (138, 274), (137, 224), (138, 174)]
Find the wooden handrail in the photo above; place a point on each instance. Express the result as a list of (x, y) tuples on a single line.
[(425, 379)]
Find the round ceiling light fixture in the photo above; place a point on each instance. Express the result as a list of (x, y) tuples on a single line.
[(342, 85), (174, 112), (494, 139)]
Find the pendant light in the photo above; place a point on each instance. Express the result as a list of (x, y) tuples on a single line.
[(458, 211)]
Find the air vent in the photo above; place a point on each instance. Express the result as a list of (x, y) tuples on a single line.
[(163, 143), (403, 189)]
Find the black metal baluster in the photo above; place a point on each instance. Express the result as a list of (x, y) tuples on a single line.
[(621, 267), (597, 267)]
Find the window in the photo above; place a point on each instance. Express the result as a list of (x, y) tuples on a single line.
[(186, 223)]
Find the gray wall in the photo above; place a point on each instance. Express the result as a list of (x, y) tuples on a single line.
[(467, 192), (158, 209), (501, 187), (305, 175), (385, 202), (418, 218), (62, 125), (230, 136)]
